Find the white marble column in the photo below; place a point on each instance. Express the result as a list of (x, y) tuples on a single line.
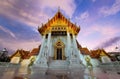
[(75, 47), (74, 42), (40, 51), (68, 44), (48, 43), (77, 51), (49, 38)]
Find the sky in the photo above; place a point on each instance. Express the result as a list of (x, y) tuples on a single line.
[(99, 21)]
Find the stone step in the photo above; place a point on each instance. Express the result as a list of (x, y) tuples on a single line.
[(58, 64)]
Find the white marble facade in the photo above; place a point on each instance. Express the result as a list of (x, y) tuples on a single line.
[(71, 51)]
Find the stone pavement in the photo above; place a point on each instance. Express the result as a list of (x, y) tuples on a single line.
[(29, 73)]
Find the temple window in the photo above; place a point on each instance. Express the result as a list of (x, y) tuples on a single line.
[(58, 28), (59, 33), (46, 36)]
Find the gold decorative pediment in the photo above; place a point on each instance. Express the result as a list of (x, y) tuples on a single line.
[(59, 43)]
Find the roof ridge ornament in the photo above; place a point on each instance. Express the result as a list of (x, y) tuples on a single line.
[(59, 9)]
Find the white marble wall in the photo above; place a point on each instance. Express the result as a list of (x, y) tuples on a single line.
[(71, 50), (15, 60), (105, 59), (54, 40)]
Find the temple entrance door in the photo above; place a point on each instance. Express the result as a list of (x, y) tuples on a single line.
[(59, 54)]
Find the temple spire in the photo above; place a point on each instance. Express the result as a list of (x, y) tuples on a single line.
[(59, 9)]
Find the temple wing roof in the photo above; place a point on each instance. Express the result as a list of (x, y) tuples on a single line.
[(98, 53), (20, 53), (85, 51)]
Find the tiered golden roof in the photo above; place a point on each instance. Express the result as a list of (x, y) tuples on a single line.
[(59, 23)]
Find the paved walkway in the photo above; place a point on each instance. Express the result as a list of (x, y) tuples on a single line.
[(24, 73)]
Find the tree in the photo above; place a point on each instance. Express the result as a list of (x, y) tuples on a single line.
[(4, 56)]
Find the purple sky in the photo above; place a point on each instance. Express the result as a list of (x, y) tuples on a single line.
[(99, 21)]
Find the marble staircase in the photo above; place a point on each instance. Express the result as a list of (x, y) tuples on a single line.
[(59, 64)]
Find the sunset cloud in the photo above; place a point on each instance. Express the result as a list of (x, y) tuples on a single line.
[(98, 33), (19, 44), (68, 6), (104, 30), (83, 16), (20, 11), (7, 31), (115, 8), (110, 44), (93, 0), (19, 20), (31, 12)]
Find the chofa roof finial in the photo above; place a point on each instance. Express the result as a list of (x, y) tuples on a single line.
[(59, 9)]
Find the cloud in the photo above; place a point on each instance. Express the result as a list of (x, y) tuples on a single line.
[(83, 16), (113, 48), (93, 0), (7, 31), (25, 38), (34, 12), (68, 6), (21, 11), (29, 13), (109, 43), (93, 35), (21, 44), (104, 30), (115, 8)]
